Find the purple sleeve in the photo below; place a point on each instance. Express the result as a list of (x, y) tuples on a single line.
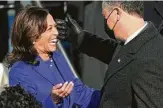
[(85, 96)]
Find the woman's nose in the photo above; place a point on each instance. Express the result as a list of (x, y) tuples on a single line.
[(55, 31)]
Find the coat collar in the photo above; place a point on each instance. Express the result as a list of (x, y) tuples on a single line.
[(42, 68), (134, 45)]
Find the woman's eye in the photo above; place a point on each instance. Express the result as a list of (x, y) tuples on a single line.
[(49, 28)]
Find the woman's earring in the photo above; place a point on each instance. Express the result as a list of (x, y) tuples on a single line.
[(34, 43)]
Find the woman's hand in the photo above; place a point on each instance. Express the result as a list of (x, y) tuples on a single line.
[(60, 91)]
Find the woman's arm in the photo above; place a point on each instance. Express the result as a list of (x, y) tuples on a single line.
[(85, 96)]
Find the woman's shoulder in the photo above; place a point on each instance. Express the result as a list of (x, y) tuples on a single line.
[(19, 65)]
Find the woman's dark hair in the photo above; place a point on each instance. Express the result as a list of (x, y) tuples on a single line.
[(17, 97), (28, 25)]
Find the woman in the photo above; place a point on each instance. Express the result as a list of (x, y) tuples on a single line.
[(42, 70)]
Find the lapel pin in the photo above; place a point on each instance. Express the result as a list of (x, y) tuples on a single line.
[(119, 60)]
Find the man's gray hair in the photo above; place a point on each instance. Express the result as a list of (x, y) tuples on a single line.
[(136, 7), (110, 4)]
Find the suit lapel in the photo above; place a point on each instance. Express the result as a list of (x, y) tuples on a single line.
[(43, 70), (127, 52), (59, 63), (119, 61), (62, 66)]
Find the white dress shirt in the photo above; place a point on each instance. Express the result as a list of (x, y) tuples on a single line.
[(135, 34)]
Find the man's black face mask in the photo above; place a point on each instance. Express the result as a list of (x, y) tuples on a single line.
[(109, 31)]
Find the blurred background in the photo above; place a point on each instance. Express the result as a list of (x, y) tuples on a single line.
[(88, 14)]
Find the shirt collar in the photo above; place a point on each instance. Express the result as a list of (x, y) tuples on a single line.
[(135, 34)]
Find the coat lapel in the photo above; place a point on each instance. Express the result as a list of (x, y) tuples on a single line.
[(119, 61), (43, 70), (63, 67), (127, 52), (59, 63)]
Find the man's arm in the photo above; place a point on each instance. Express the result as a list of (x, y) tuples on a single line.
[(86, 42), (94, 46)]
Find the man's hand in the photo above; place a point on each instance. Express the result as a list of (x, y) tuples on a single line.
[(62, 28), (60, 91), (73, 25), (69, 30)]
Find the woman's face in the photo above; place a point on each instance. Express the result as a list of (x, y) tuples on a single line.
[(47, 41)]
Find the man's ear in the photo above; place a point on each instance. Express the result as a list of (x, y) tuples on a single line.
[(105, 13), (118, 13)]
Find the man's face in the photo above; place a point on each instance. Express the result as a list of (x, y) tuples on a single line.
[(114, 18), (110, 16)]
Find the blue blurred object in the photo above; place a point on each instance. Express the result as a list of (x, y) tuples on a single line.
[(11, 16)]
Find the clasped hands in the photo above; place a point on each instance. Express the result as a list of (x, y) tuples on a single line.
[(61, 91)]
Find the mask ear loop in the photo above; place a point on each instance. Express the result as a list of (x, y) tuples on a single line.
[(118, 18), (110, 14)]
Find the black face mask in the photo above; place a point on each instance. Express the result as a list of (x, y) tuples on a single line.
[(109, 31)]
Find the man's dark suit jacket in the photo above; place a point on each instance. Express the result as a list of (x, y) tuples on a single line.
[(135, 75)]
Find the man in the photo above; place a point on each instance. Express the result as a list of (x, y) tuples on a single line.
[(16, 97), (135, 73)]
